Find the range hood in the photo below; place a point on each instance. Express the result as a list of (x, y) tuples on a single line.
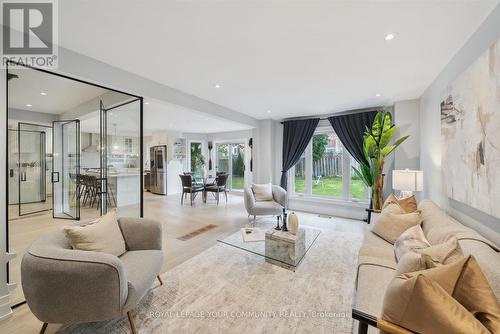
[(92, 143)]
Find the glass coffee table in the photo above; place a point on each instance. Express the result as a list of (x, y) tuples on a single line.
[(277, 247)]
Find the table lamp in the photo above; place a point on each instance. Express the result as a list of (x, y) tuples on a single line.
[(407, 181)]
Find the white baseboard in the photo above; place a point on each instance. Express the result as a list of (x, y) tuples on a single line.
[(342, 209), (5, 309)]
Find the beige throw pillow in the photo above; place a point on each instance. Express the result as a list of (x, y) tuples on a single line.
[(392, 222), (445, 253), (408, 204), (263, 192), (454, 298), (104, 235), (421, 305), (430, 257), (413, 239)]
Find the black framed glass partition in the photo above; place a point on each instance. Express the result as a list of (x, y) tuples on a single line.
[(74, 151)]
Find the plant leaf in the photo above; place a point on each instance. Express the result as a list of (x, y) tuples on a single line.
[(377, 126), (365, 170), (387, 121), (387, 150), (361, 176), (387, 135), (400, 140), (370, 146)]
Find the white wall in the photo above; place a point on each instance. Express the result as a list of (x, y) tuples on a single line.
[(407, 118), (430, 131)]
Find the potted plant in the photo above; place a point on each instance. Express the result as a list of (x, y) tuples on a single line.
[(378, 143)]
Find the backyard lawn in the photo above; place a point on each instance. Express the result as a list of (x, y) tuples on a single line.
[(238, 182), (332, 186)]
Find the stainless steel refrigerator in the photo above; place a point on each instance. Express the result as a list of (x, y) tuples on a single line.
[(158, 165)]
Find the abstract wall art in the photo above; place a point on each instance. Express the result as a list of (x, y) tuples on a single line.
[(470, 132)]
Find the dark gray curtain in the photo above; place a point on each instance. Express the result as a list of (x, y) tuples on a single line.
[(350, 129), (296, 137)]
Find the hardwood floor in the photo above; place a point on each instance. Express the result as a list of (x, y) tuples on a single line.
[(177, 222)]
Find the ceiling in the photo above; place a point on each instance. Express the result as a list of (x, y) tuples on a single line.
[(277, 59), (158, 116), (61, 95)]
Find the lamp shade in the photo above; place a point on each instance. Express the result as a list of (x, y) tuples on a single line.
[(408, 180)]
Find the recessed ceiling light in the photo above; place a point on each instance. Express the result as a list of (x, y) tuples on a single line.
[(29, 105), (390, 36), (146, 102), (269, 111), (217, 86), (110, 114), (378, 95), (43, 93)]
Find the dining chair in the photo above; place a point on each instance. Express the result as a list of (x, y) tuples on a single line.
[(218, 187), (188, 187)]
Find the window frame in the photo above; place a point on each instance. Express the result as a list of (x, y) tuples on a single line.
[(347, 173)]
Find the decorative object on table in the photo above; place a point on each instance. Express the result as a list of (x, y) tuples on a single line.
[(252, 234), (250, 144), (407, 181), (470, 127), (293, 223), (278, 227), (210, 147), (376, 147), (283, 226), (285, 249)]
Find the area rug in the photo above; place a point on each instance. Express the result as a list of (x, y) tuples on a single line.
[(228, 290)]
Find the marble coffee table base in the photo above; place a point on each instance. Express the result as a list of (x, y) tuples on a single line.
[(285, 249)]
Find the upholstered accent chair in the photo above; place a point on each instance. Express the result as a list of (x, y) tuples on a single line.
[(273, 207), (66, 286)]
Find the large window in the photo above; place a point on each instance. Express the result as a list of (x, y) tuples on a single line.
[(325, 170)]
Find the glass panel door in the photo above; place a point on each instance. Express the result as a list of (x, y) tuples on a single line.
[(121, 159), (231, 160), (237, 166), (223, 162), (66, 169), (32, 195)]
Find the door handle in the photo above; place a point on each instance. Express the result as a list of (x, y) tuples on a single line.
[(23, 176), (11, 172), (55, 177)]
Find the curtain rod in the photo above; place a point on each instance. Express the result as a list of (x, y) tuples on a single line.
[(341, 113)]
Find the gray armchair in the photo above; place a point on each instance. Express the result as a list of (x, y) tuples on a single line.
[(265, 208), (65, 286)]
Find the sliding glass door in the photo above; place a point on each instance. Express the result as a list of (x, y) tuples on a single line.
[(231, 160), (66, 169)]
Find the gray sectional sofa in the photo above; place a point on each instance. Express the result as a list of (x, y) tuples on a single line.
[(377, 262)]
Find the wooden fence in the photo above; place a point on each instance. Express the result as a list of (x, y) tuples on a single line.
[(329, 165)]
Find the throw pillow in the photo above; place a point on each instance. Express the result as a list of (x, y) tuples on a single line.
[(466, 283), (104, 235), (446, 253), (263, 192), (421, 305), (409, 263), (392, 222), (429, 257), (408, 204), (413, 239)]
